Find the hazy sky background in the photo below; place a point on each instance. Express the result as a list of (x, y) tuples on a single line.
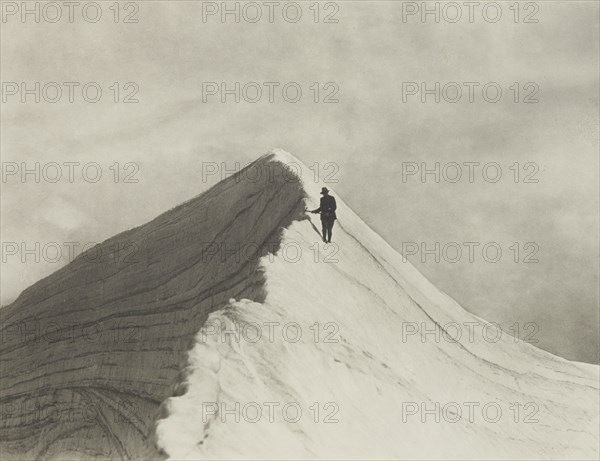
[(368, 133)]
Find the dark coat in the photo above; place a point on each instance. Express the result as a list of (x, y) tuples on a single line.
[(327, 208)]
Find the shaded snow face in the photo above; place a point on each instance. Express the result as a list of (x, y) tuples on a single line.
[(330, 366), (111, 331)]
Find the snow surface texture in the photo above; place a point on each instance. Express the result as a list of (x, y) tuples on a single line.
[(368, 382), (66, 394)]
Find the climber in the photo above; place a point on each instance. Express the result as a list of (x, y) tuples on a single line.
[(328, 216)]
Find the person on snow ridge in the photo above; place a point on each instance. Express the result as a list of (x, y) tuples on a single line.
[(327, 209)]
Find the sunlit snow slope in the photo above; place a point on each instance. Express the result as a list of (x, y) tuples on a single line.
[(362, 382)]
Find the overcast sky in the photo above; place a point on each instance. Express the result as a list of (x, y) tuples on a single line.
[(371, 134)]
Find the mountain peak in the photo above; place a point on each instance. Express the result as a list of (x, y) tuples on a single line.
[(296, 170), (130, 338), (277, 154)]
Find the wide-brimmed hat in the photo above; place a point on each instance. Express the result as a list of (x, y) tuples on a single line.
[(324, 190)]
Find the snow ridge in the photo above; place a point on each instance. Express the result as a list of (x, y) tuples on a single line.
[(328, 365)]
